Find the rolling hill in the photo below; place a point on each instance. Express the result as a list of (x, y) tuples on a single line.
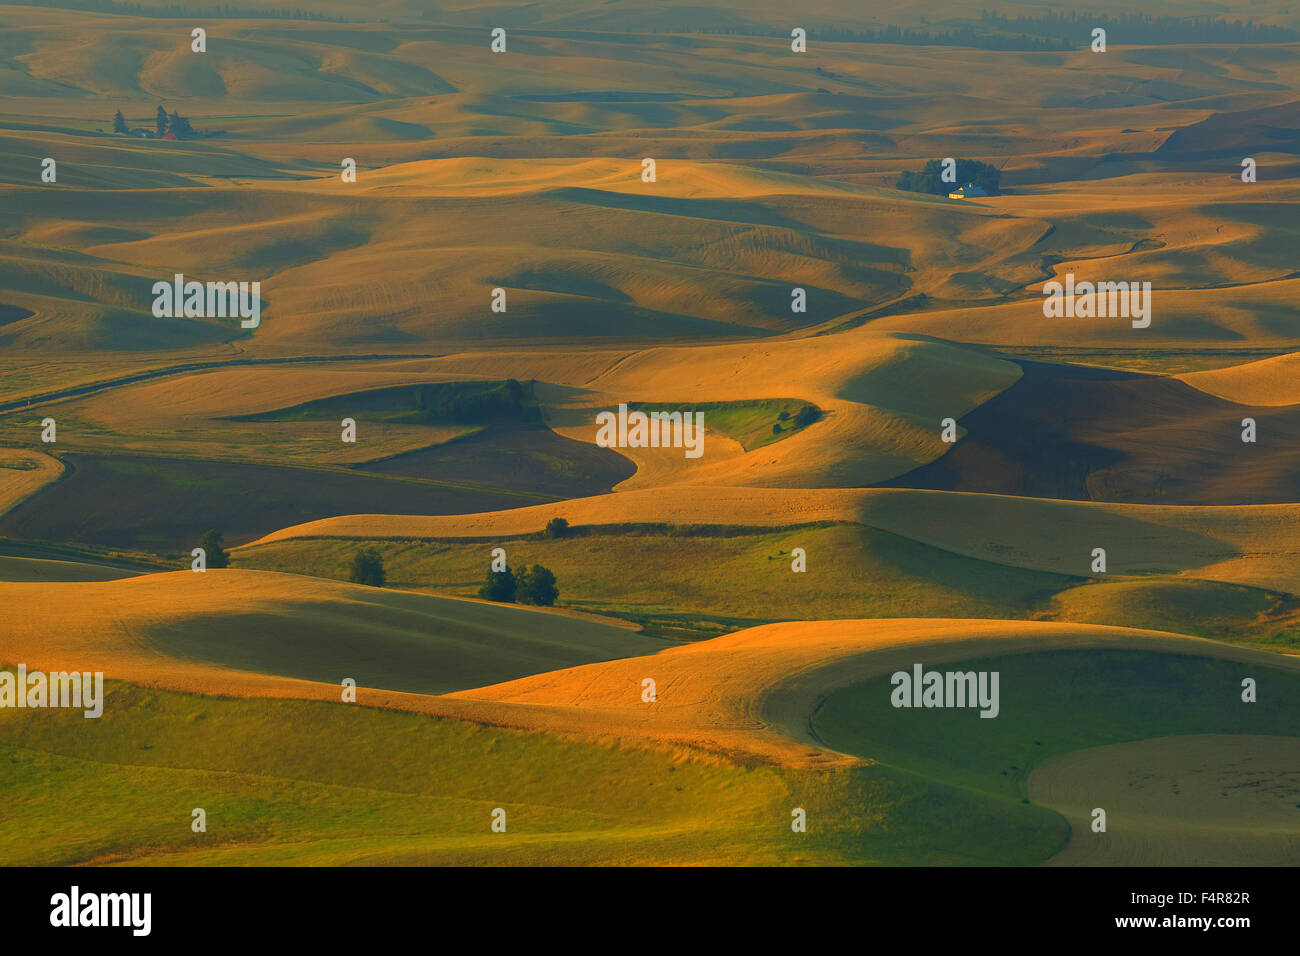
[(904, 459)]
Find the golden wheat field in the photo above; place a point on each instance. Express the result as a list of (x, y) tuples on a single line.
[(632, 435)]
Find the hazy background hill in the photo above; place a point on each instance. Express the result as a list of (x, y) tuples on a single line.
[(522, 171)]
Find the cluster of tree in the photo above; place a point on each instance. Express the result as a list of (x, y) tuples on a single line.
[(179, 126), (801, 419), (477, 402), (535, 585), (175, 10), (532, 585), (969, 171)]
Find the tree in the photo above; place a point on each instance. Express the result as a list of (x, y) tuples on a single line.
[(969, 171), (806, 416), (512, 397), (160, 120), (180, 127), (499, 586), (119, 122), (557, 528), (368, 568), (987, 178), (537, 586), (214, 554)]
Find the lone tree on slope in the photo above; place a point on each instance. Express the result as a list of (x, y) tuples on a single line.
[(367, 568), (214, 554)]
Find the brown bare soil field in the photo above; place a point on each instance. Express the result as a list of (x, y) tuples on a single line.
[(1103, 435)]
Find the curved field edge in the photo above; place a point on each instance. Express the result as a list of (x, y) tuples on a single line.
[(23, 473)]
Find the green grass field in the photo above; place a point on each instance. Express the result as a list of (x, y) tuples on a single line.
[(692, 583), (752, 424), (309, 782), (1228, 612), (705, 584), (315, 783)]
